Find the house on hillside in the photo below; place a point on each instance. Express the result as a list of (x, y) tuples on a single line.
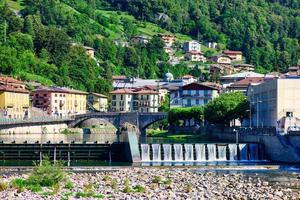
[(219, 69), (212, 45), (195, 56), (140, 39), (221, 59), (168, 39), (192, 46), (243, 67), (234, 55)]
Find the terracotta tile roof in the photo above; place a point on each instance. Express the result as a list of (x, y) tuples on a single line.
[(232, 52), (98, 95), (7, 79), (247, 81), (122, 91), (119, 77), (7, 88), (134, 91), (188, 76), (195, 52), (59, 90)]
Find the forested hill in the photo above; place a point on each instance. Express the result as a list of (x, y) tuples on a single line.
[(267, 31), (37, 36)]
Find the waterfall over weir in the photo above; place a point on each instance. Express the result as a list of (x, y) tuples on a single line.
[(178, 152), (201, 152), (189, 152), (156, 152), (167, 152)]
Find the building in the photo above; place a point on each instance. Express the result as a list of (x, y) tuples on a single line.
[(193, 94), (234, 55), (212, 45), (219, 69), (230, 79), (168, 39), (293, 71), (242, 85), (195, 56), (135, 100), (60, 101), (121, 43), (98, 102), (193, 46), (140, 39), (276, 103), (221, 59), (243, 67), (90, 51), (14, 98)]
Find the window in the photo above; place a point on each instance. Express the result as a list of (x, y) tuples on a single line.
[(113, 97), (113, 103), (55, 95), (197, 101), (55, 101), (45, 95), (121, 96)]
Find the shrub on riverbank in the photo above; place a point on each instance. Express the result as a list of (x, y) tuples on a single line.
[(48, 174)]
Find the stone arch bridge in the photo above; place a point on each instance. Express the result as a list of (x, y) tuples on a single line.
[(140, 120)]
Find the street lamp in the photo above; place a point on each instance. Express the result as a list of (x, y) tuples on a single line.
[(257, 114)]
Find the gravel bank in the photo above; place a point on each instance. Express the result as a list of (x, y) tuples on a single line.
[(159, 183)]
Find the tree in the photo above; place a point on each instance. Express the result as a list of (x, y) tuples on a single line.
[(226, 107), (130, 28)]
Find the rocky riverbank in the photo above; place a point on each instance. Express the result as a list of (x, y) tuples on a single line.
[(156, 183)]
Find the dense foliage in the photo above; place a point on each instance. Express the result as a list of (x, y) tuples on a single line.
[(219, 111), (267, 31), (226, 107), (177, 114)]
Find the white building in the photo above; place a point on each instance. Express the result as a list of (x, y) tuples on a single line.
[(276, 103), (230, 79), (193, 45), (133, 100), (193, 94)]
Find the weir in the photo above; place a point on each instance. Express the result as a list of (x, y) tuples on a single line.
[(201, 152)]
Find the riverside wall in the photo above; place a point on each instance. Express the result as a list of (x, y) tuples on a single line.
[(46, 128), (278, 148)]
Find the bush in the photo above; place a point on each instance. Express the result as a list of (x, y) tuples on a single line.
[(3, 186), (19, 184), (69, 185), (48, 174), (157, 179), (139, 188)]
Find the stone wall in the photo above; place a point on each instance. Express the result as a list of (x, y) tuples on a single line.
[(49, 128)]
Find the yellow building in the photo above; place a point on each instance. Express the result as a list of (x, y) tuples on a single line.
[(60, 101), (98, 101), (14, 98)]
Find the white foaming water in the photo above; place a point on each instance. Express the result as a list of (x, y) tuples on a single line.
[(178, 152), (233, 151), (167, 152), (200, 152), (243, 151), (222, 152), (189, 152), (156, 152), (211, 148), (145, 152)]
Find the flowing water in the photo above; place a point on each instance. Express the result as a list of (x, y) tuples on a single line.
[(167, 152), (156, 152), (233, 152), (211, 149), (189, 152), (145, 152), (200, 152), (178, 152), (222, 153)]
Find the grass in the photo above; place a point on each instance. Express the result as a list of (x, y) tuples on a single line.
[(3, 186)]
